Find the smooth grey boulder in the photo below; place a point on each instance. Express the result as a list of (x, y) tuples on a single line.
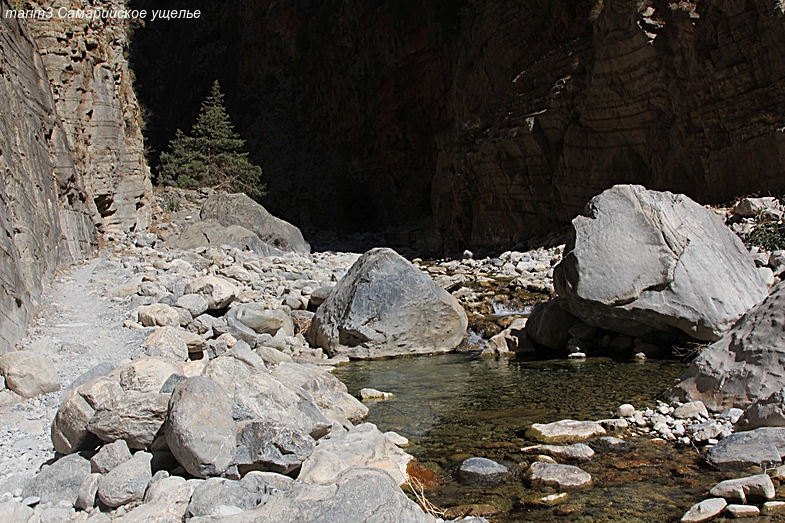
[(384, 307), (238, 209), (88, 492), (744, 366), (761, 447), (200, 430), (193, 303), (266, 445), (127, 482), (549, 324), (210, 233), (482, 470), (213, 493), (60, 481), (574, 452), (357, 495), (14, 511), (644, 260)]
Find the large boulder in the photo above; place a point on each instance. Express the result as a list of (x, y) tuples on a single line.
[(200, 430), (239, 209), (745, 365), (385, 307), (28, 374), (644, 260), (210, 233)]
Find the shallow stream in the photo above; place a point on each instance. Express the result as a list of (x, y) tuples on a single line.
[(455, 406)]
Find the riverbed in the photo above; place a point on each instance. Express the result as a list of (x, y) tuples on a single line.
[(455, 406)]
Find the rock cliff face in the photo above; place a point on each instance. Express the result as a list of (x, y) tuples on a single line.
[(71, 151), (93, 91), (499, 119), (45, 209)]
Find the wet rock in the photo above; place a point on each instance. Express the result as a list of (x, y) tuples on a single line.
[(704, 511), (561, 477), (200, 430), (385, 307), (753, 488), (692, 409), (549, 324), (482, 470), (127, 482), (625, 411), (742, 511), (773, 507), (373, 394), (28, 374), (574, 452), (690, 272), (564, 431)]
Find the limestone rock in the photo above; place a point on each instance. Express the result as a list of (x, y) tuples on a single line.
[(210, 233), (59, 481), (741, 367), (146, 374), (28, 374), (135, 417), (86, 497), (200, 431), (574, 452), (193, 303), (755, 488), (262, 397), (689, 272), (482, 470), (127, 482), (558, 476), (110, 456), (362, 446), (69, 426), (742, 511), (218, 292), (158, 314), (261, 320), (564, 431), (549, 324), (213, 493), (165, 342), (265, 445), (13, 511), (239, 209), (329, 393), (704, 511), (759, 447), (384, 307)]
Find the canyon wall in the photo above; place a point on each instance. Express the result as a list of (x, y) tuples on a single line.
[(70, 156), (491, 120)]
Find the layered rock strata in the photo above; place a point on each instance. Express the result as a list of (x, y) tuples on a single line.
[(46, 213)]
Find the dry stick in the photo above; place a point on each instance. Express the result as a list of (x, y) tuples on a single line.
[(418, 489)]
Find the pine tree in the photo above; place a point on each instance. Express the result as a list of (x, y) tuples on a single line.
[(211, 155)]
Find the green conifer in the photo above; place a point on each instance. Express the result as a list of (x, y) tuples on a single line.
[(211, 155)]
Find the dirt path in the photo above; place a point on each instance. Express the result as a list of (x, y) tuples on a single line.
[(77, 328)]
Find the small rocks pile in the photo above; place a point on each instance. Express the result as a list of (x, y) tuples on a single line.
[(738, 498)]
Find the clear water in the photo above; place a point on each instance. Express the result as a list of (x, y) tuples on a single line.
[(455, 406)]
